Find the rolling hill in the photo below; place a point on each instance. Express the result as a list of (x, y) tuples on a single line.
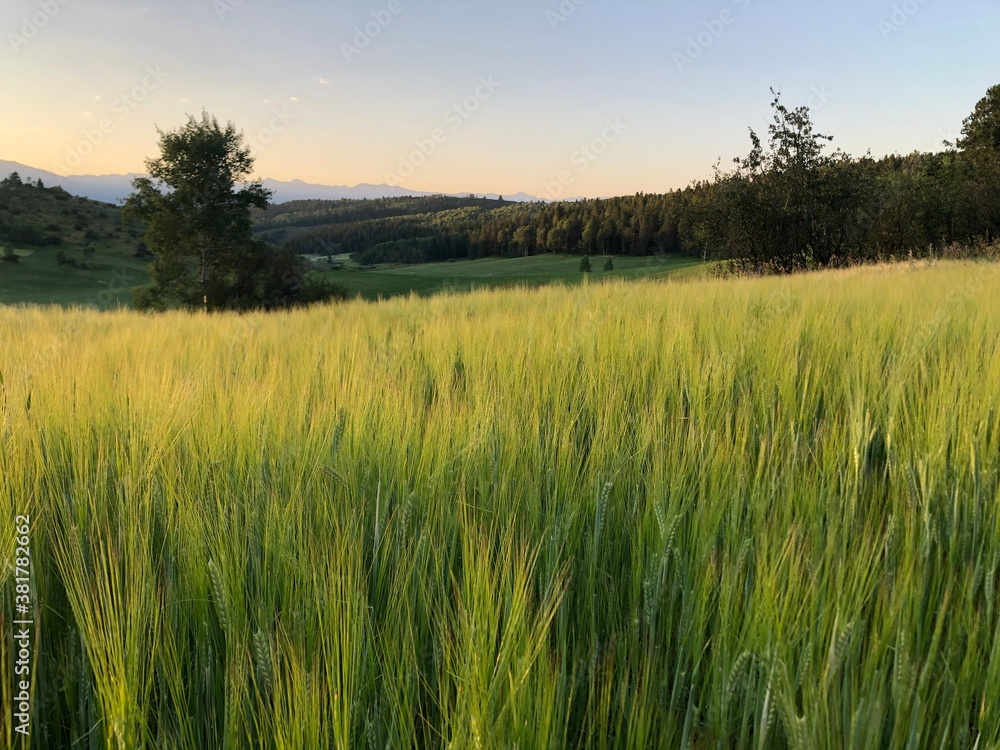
[(66, 249)]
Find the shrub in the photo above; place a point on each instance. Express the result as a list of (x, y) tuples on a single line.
[(24, 232)]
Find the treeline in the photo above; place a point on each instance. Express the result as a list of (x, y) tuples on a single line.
[(636, 225), (440, 239), (316, 212), (358, 220), (791, 203)]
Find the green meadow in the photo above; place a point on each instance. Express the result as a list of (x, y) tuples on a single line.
[(753, 513), (468, 275)]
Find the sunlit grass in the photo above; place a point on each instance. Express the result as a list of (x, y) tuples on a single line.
[(752, 513)]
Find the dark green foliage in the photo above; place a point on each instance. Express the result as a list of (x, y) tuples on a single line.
[(789, 205), (25, 232), (980, 148), (416, 250), (33, 216), (585, 264), (199, 226), (478, 228), (610, 265), (981, 130)]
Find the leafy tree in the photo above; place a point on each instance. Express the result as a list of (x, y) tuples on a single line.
[(589, 238), (585, 264), (788, 204), (199, 226), (610, 265), (558, 239), (199, 223), (522, 239)]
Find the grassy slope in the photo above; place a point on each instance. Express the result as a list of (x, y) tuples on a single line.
[(38, 278), (745, 514)]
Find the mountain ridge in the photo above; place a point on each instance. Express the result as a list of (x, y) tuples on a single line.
[(114, 188)]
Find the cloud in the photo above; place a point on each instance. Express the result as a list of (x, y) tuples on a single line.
[(323, 82), (293, 99)]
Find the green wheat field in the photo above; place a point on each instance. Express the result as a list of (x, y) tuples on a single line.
[(759, 513)]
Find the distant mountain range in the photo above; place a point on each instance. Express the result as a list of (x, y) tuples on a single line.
[(113, 188)]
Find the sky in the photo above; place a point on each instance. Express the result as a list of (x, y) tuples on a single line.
[(556, 98)]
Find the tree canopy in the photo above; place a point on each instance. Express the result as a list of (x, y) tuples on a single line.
[(197, 206), (981, 129)]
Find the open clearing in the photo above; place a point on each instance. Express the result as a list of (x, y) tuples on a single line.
[(466, 275)]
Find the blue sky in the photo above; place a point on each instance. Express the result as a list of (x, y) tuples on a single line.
[(483, 96)]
